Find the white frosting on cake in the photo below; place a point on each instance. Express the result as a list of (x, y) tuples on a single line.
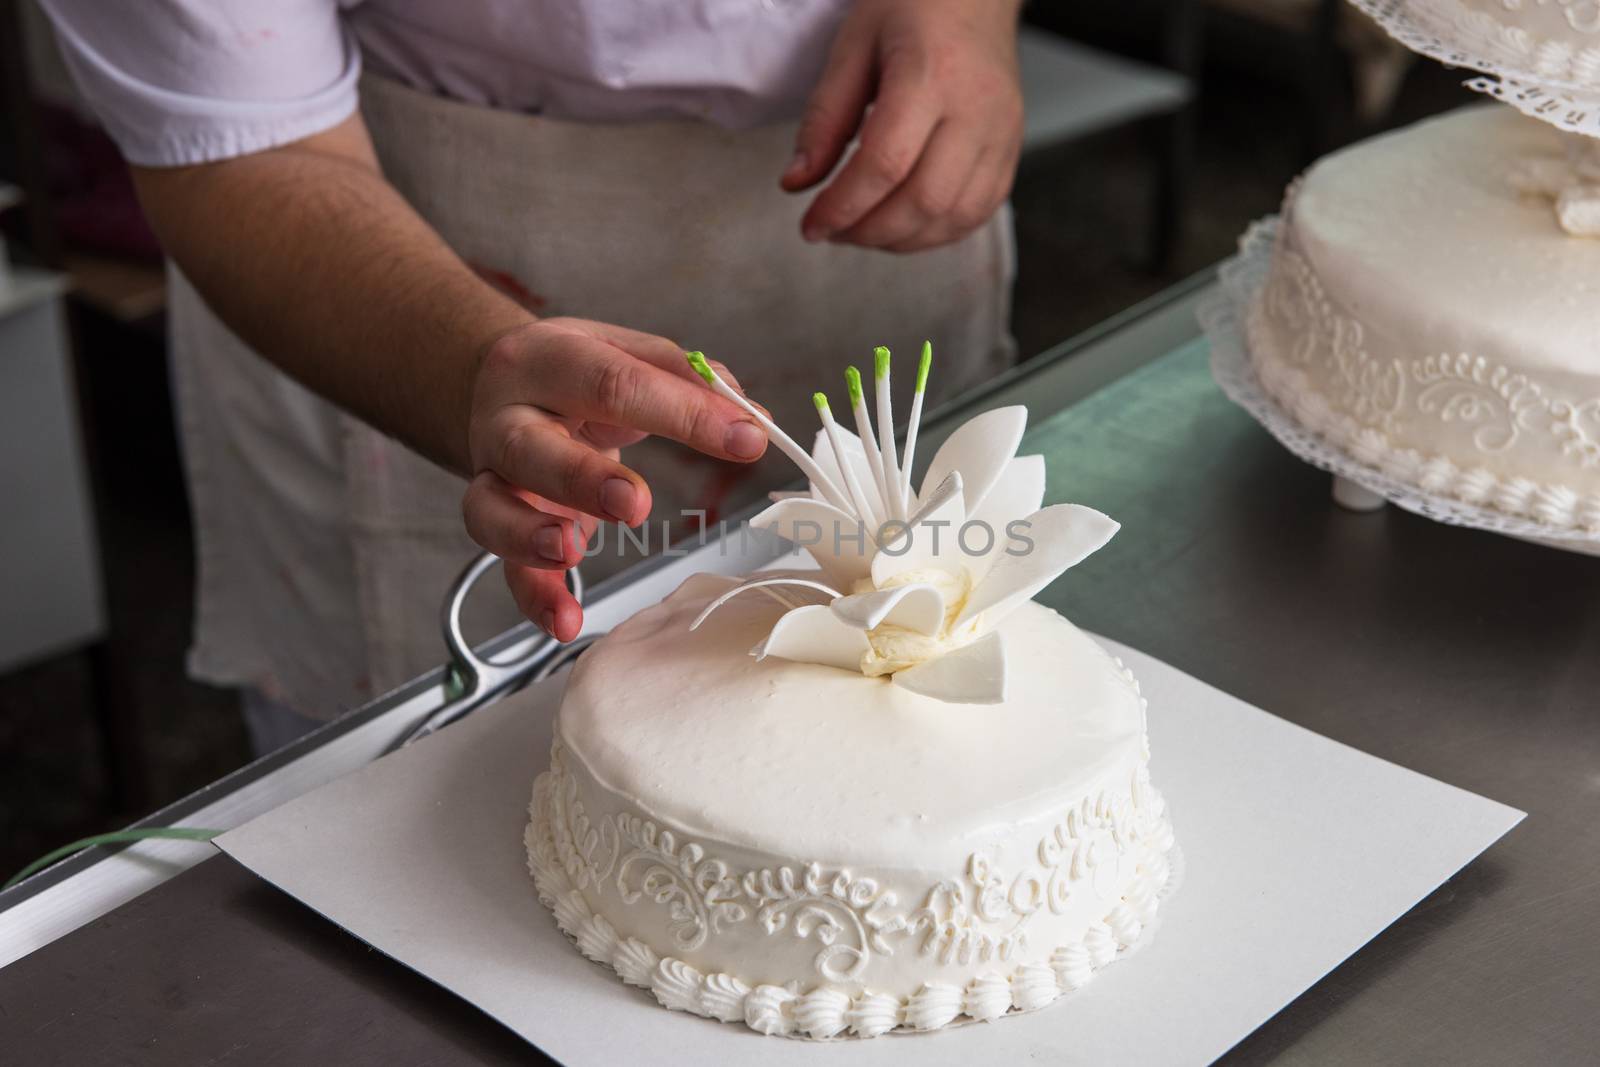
[(818, 853), (1558, 40), (1575, 23), (1434, 322)]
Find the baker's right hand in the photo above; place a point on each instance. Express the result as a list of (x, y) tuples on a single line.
[(552, 402)]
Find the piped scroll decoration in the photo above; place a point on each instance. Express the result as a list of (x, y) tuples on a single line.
[(980, 915)]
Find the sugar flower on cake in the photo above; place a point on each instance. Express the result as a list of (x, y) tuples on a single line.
[(911, 584)]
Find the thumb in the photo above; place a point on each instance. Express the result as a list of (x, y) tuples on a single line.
[(834, 111)]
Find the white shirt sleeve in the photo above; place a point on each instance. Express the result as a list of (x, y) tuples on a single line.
[(193, 81)]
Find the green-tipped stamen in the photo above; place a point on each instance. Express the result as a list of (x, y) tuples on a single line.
[(858, 500), (869, 440), (915, 424), (882, 393), (786, 444), (697, 360)]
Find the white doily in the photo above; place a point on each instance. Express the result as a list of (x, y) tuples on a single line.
[(1459, 37), (1565, 110), (1222, 318)]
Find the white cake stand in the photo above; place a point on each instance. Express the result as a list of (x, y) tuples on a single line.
[(1564, 92), (1356, 486)]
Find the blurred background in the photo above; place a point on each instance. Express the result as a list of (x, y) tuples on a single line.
[(1156, 131)]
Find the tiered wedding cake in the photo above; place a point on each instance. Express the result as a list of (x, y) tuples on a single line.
[(1430, 315), (888, 793)]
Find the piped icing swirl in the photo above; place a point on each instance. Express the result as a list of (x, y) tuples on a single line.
[(936, 1004), (1072, 966), (722, 997), (988, 996), (822, 1013), (634, 962), (1033, 986), (766, 1010), (873, 1014), (676, 985)]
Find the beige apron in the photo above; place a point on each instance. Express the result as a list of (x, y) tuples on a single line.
[(324, 547)]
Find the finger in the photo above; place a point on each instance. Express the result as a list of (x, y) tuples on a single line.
[(536, 453), (652, 348), (976, 205), (587, 525), (1004, 175), (660, 352), (892, 140), (499, 519), (602, 436), (679, 365), (833, 114), (733, 383), (986, 190), (657, 351), (542, 596), (927, 199), (725, 374), (602, 384)]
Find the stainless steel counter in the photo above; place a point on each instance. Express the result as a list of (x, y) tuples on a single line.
[(1466, 656)]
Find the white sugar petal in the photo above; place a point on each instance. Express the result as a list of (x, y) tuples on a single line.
[(813, 635), (856, 456), (788, 588), (921, 545), (972, 674), (914, 606), (980, 449), (827, 533), (1017, 493), (1061, 535)]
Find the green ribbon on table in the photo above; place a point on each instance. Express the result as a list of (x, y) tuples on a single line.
[(120, 837)]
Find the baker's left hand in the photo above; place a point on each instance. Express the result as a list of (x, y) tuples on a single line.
[(940, 143)]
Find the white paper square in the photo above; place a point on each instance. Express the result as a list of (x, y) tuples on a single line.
[(1298, 850)]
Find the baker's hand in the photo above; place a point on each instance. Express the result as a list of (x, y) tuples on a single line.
[(552, 403), (939, 146)]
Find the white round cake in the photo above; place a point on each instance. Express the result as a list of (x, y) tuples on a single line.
[(818, 853), (1433, 321)]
